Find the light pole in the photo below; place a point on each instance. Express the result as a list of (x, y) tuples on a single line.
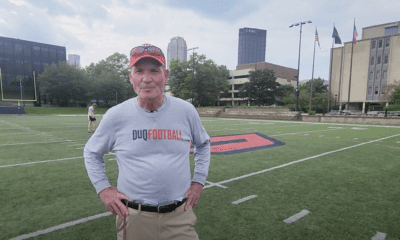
[(192, 72), (335, 99), (298, 66)]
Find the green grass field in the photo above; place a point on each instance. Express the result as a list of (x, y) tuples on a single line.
[(348, 178)]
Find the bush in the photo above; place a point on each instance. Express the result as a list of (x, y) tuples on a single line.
[(393, 107), (311, 112)]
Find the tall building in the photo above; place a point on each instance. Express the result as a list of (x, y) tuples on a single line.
[(19, 58), (252, 45), (74, 59), (177, 49), (376, 62)]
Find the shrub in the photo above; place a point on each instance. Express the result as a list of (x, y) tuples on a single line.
[(311, 112), (393, 107)]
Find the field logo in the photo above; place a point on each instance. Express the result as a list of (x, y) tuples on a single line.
[(232, 144)]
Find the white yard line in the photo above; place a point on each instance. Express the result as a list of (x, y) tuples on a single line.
[(297, 216), (215, 184), (302, 132), (61, 226), (379, 236), (45, 161), (244, 199), (13, 144)]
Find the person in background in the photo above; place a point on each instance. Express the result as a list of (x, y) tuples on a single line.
[(91, 118)]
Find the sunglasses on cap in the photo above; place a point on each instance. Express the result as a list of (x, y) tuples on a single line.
[(152, 50)]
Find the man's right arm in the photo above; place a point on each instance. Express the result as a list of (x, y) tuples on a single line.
[(101, 142)]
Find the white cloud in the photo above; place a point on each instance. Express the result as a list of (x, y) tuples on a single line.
[(3, 21), (14, 12), (18, 2), (125, 24)]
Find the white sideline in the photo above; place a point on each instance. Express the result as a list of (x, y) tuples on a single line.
[(208, 186), (61, 226)]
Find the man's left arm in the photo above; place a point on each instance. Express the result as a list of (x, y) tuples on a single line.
[(201, 142)]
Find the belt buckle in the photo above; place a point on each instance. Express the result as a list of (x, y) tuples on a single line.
[(158, 208)]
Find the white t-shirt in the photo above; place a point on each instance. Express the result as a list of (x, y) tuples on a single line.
[(90, 109)]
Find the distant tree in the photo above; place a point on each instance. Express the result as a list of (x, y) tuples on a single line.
[(180, 79), (109, 79), (261, 88), (208, 82), (388, 91), (284, 90), (318, 86), (64, 83)]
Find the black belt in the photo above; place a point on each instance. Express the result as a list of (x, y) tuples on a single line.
[(157, 209)]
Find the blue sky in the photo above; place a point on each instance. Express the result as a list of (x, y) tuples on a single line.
[(96, 29)]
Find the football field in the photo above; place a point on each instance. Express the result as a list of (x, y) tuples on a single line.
[(327, 181)]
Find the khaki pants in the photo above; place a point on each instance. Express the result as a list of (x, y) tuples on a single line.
[(176, 225)]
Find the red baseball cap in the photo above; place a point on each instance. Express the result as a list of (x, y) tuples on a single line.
[(146, 51)]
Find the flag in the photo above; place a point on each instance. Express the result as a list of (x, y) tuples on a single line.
[(335, 35), (317, 38), (355, 35)]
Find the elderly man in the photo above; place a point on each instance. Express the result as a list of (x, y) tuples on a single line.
[(151, 135)]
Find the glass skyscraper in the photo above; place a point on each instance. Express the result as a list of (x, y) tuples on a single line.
[(177, 49), (19, 58), (252, 45)]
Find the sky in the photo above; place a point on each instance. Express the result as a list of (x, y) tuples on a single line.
[(97, 29)]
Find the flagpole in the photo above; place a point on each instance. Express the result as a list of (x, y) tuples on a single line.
[(330, 74), (351, 65), (312, 76)]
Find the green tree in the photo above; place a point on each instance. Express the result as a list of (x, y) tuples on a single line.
[(261, 88), (109, 79), (208, 82), (64, 83), (318, 86)]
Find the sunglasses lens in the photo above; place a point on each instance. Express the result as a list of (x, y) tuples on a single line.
[(137, 51), (155, 51)]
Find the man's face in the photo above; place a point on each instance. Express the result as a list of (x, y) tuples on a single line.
[(148, 79)]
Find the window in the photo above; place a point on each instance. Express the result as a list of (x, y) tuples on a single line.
[(380, 43), (387, 42), (372, 60), (379, 60), (369, 90), (373, 44), (384, 74), (391, 30), (371, 75), (378, 74), (386, 60), (376, 90)]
